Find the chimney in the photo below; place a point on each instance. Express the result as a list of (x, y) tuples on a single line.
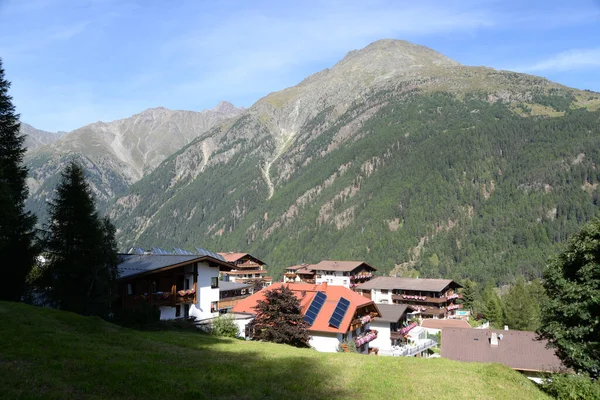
[(494, 340)]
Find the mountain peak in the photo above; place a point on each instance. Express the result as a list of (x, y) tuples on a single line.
[(399, 52), (225, 107)]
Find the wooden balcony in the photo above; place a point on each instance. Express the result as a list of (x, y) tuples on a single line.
[(229, 302), (423, 299), (160, 299)]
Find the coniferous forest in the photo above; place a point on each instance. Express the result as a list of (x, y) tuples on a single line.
[(434, 184)]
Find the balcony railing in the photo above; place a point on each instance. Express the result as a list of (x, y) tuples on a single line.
[(409, 351), (163, 298)]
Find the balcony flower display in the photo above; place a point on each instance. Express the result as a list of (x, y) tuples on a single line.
[(452, 296), (365, 338), (186, 293), (453, 307), (414, 297), (365, 320), (408, 328)]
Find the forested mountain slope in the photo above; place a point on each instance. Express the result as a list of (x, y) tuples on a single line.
[(398, 156)]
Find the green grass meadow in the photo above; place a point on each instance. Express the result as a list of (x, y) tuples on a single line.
[(49, 354)]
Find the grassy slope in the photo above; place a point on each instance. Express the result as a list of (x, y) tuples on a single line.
[(57, 355)]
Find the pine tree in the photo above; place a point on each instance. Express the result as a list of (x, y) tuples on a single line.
[(469, 294), (81, 248), (279, 319), (17, 235), (521, 307), (492, 306), (571, 313)]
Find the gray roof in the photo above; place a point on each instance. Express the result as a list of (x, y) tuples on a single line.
[(391, 312), (342, 266), (519, 350), (391, 283), (225, 286), (134, 264)]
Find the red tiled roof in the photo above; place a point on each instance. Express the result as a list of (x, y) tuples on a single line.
[(444, 323), (517, 349), (231, 257), (305, 293)]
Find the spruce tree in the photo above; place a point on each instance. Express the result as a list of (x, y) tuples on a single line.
[(279, 319), (492, 306), (521, 307), (17, 235), (469, 294), (571, 313), (81, 248)]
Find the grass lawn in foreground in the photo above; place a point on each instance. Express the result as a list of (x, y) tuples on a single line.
[(49, 354)]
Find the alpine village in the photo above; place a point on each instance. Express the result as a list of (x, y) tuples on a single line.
[(398, 225)]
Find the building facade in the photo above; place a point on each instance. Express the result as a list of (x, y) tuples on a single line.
[(246, 269), (348, 274), (429, 298), (336, 315), (180, 286)]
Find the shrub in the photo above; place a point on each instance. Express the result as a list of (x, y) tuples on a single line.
[(224, 325), (572, 387)]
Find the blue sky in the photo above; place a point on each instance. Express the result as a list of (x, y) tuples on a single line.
[(74, 62)]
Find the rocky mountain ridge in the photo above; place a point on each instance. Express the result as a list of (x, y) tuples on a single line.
[(396, 155), (119, 153), (35, 138)]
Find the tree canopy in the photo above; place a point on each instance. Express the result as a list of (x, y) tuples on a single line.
[(279, 319), (81, 249), (571, 314), (17, 233), (522, 305)]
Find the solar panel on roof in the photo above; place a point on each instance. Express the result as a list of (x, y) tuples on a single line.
[(158, 250), (182, 252), (315, 307), (135, 250), (203, 252), (339, 312)]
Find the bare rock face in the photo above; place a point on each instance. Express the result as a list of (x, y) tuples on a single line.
[(119, 153), (35, 138)]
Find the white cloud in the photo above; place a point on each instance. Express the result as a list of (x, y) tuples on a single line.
[(571, 60)]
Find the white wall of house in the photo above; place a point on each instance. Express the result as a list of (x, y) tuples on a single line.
[(205, 294), (324, 341), (332, 278), (432, 331), (167, 312), (383, 341), (380, 296)]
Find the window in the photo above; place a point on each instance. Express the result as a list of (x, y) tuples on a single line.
[(214, 306), (384, 301), (243, 291), (214, 282), (384, 291), (129, 289)]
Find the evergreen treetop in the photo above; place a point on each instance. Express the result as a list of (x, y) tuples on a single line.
[(17, 233), (81, 248), (571, 314)]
